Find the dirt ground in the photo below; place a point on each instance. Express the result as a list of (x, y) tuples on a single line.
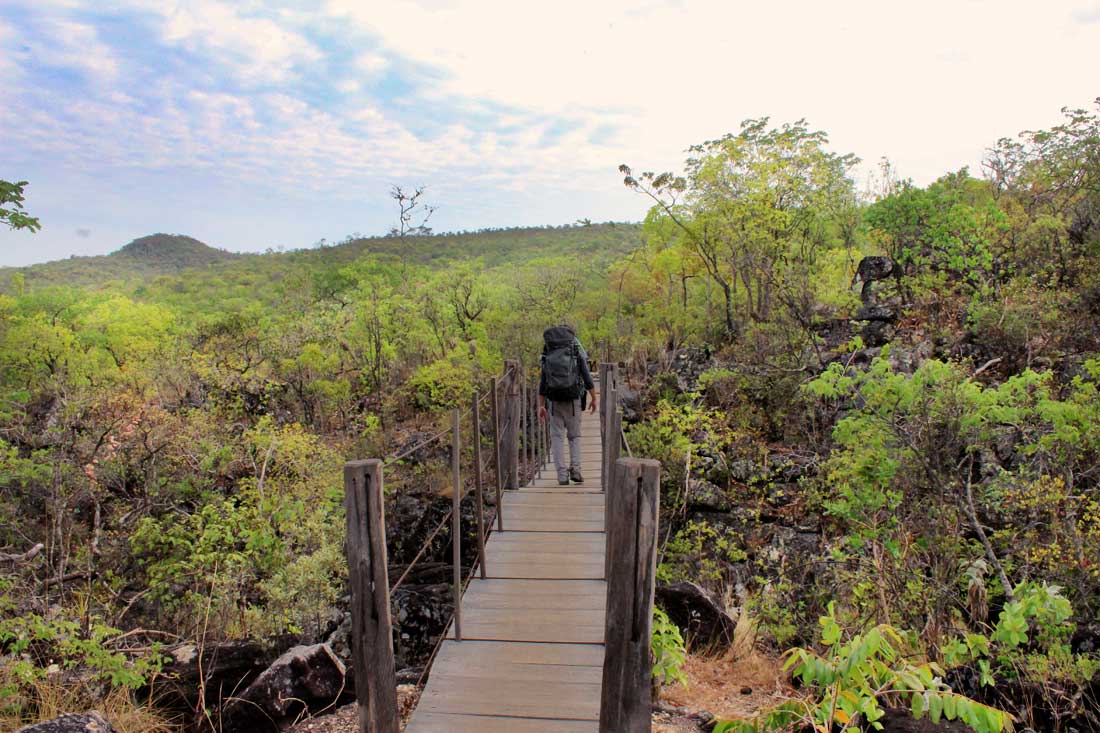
[(727, 688), (724, 688)]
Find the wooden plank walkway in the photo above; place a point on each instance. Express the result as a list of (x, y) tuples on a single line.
[(531, 658)]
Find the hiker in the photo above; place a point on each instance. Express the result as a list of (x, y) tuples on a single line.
[(565, 387)]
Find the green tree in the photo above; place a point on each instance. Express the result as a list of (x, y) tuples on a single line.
[(756, 208), (11, 207)]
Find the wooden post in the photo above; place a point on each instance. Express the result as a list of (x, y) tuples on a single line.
[(371, 635), (611, 409), (542, 437), (496, 455), (509, 427), (611, 457), (532, 431), (479, 496), (605, 384), (522, 463), (632, 549), (456, 523)]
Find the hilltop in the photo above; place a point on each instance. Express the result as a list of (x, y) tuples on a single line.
[(149, 259), (172, 252)]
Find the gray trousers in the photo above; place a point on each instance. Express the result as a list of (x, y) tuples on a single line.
[(565, 423)]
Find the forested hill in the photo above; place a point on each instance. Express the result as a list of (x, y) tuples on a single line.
[(134, 266)]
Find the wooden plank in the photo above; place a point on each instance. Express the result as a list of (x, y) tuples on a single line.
[(563, 626), (534, 595), (372, 640), (552, 555), (528, 497), (559, 512), (457, 723), (513, 660), (547, 539), (514, 698), (549, 570), (632, 564), (554, 525)]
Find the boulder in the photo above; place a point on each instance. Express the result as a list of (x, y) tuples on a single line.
[(420, 614), (688, 365), (698, 612), (876, 313), (630, 403), (877, 333), (306, 677), (705, 496), (876, 268), (90, 722)]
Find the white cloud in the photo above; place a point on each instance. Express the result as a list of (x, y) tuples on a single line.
[(9, 69), (881, 78), (371, 64), (260, 48)]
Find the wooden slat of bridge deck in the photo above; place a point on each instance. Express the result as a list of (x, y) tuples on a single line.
[(531, 658)]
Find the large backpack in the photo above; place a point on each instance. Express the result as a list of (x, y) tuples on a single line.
[(560, 367)]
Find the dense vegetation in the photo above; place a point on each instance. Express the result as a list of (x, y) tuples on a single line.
[(916, 464)]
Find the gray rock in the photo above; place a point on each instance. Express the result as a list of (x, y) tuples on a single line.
[(90, 722), (742, 470), (876, 313), (876, 268), (630, 402), (698, 613), (306, 677), (420, 614), (906, 361), (877, 333), (706, 496)]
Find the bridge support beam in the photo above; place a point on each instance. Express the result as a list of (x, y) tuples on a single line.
[(371, 635), (510, 423), (632, 566)]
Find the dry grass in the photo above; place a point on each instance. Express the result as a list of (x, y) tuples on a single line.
[(48, 699), (730, 687)]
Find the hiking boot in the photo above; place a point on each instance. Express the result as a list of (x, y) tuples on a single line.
[(563, 480), (575, 474)]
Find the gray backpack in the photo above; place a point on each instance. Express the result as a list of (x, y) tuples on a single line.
[(560, 364)]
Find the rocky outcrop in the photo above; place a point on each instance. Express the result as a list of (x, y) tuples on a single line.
[(306, 677), (91, 722), (878, 317), (699, 613), (687, 365)]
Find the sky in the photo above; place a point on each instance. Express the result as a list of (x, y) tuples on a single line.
[(255, 125)]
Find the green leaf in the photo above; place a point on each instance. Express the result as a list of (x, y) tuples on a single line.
[(935, 707)]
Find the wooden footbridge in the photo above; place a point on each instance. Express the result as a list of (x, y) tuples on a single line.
[(553, 634)]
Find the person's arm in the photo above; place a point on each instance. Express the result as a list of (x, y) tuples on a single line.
[(586, 375)]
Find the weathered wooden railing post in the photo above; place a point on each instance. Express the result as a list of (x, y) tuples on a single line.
[(605, 404), (495, 386), (479, 493), (521, 460), (371, 635), (532, 430), (509, 427), (632, 566), (456, 521)]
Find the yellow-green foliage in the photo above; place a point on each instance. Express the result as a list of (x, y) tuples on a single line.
[(856, 675)]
